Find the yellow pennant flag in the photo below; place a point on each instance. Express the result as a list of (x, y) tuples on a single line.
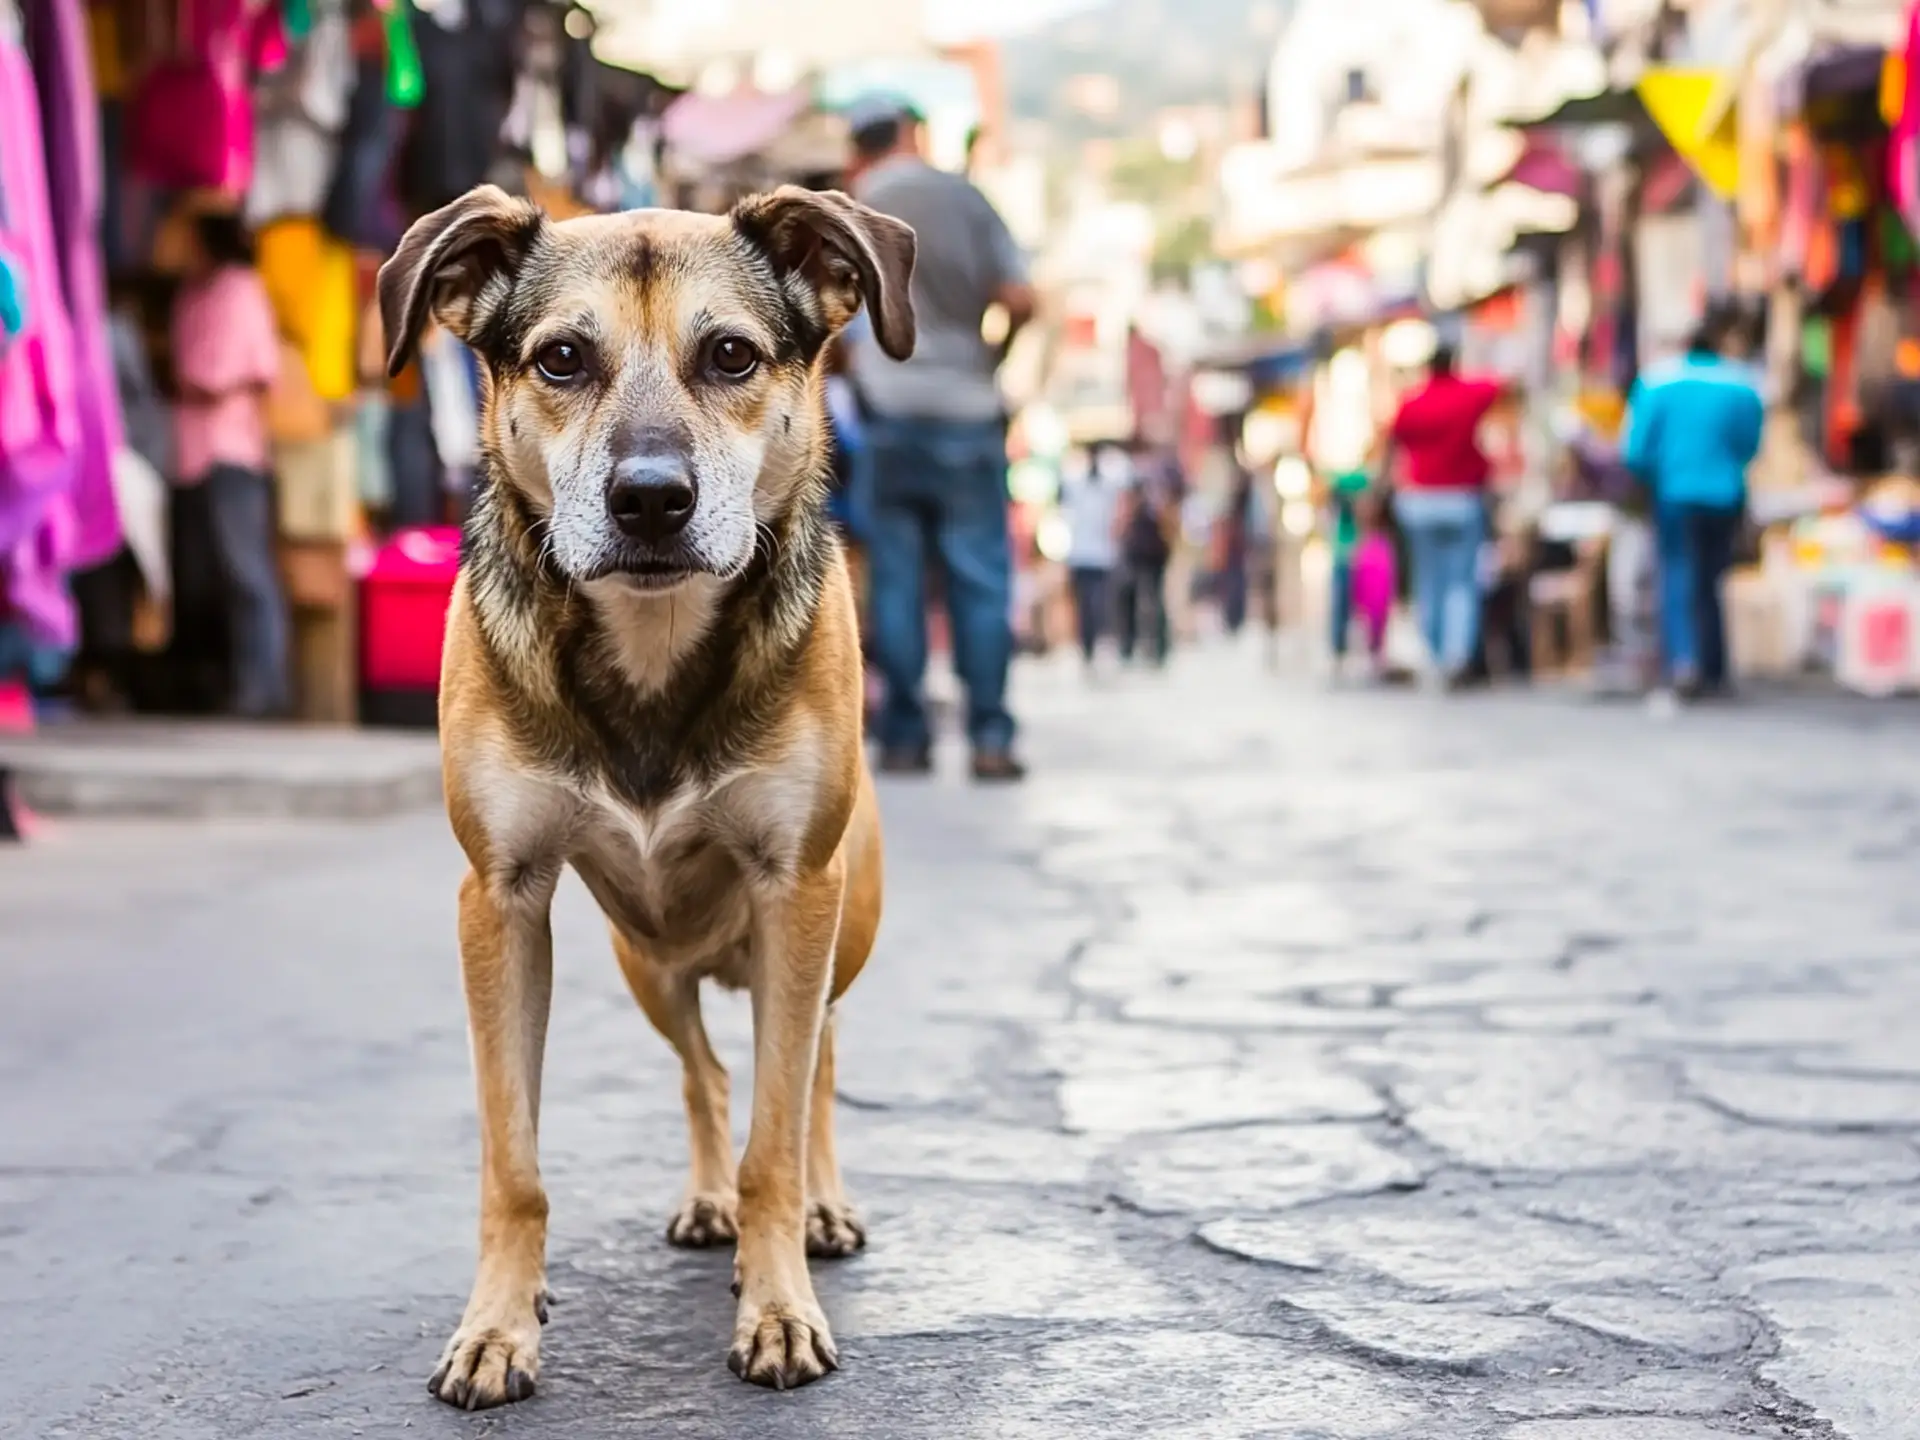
[(1678, 102)]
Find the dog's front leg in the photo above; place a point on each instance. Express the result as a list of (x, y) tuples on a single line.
[(506, 958), (780, 1337)]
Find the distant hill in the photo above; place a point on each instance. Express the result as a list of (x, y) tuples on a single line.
[(1160, 53)]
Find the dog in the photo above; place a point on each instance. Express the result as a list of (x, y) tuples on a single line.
[(652, 674)]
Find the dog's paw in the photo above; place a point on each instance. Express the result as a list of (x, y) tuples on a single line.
[(486, 1366), (833, 1230), (782, 1346), (704, 1221)]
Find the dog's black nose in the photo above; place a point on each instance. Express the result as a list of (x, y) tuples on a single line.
[(652, 496)]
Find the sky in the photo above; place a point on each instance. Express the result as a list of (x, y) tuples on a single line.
[(953, 19), (658, 30), (961, 18)]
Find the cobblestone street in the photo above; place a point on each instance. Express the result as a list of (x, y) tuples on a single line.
[(1278, 1062)]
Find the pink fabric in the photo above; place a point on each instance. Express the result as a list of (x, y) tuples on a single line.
[(1543, 166), (1438, 427), (71, 110), (225, 344), (1374, 584), (1903, 150), (39, 412), (190, 126)]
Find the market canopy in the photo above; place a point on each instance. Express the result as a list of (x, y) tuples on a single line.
[(1681, 102), (721, 129)]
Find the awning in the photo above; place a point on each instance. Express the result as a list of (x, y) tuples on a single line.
[(721, 129), (1544, 166), (1263, 357), (1681, 102), (1266, 204), (1608, 107)]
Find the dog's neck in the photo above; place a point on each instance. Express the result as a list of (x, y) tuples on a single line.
[(651, 636)]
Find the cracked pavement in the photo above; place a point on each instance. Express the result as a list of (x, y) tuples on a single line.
[(1277, 1063)]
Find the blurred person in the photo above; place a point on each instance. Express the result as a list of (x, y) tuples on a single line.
[(1693, 426), (226, 354), (1441, 504), (1373, 576), (1230, 545), (1345, 491), (938, 432), (1506, 618), (849, 497), (1263, 555), (1091, 492), (876, 125), (1149, 515)]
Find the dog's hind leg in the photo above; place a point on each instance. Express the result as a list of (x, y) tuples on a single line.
[(833, 1229), (506, 959), (708, 1215)]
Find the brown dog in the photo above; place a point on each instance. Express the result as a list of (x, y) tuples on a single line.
[(652, 674)]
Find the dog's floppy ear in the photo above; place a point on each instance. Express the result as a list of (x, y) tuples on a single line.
[(447, 259), (847, 252)]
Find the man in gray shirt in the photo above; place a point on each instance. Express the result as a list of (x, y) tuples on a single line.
[(937, 429)]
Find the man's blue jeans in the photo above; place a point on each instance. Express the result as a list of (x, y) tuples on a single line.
[(1444, 530), (1696, 548), (940, 493)]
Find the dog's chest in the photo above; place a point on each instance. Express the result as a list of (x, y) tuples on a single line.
[(681, 877)]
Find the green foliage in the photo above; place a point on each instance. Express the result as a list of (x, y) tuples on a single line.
[(1181, 243), (1143, 174)]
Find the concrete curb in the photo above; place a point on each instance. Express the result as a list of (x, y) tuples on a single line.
[(223, 772)]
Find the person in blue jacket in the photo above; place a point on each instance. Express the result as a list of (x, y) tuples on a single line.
[(1693, 427)]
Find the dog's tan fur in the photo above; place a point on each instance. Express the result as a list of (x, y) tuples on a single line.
[(693, 751)]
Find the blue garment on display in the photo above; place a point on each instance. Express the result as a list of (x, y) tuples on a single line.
[(23, 657), (13, 297)]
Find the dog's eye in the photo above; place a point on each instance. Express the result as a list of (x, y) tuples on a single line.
[(560, 361), (733, 358)]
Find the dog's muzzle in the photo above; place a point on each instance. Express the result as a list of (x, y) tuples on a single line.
[(650, 500)]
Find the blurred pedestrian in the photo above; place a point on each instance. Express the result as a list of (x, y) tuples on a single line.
[(1233, 560), (1091, 490), (1344, 492), (1441, 504), (1693, 426), (226, 354), (1149, 516), (938, 432), (1374, 578)]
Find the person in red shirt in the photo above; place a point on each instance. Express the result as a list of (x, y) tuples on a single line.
[(1440, 502)]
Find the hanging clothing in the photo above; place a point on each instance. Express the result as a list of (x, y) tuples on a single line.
[(61, 51), (452, 406), (39, 412), (467, 55), (148, 425), (309, 277), (359, 206), (190, 123), (141, 492), (299, 114), (13, 298)]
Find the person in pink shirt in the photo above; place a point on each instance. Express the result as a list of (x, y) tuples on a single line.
[(226, 353)]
